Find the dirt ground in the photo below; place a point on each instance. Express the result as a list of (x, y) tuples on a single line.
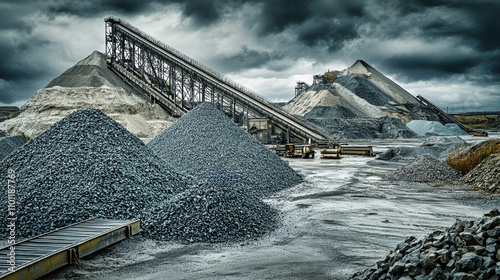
[(343, 219)]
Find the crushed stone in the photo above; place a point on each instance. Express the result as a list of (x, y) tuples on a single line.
[(362, 128), (218, 210), (485, 176), (9, 144), (86, 165), (329, 112), (437, 146), (365, 89), (425, 168), (205, 140)]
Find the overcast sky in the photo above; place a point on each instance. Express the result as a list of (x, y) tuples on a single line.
[(447, 51)]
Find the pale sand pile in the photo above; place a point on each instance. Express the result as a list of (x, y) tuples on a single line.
[(305, 102), (89, 84)]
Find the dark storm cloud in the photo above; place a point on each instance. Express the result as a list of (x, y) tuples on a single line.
[(470, 24), (246, 59), (421, 67), (464, 33), (202, 12)]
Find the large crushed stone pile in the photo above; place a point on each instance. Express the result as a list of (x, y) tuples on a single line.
[(365, 89), (362, 128), (425, 168), (485, 176), (467, 250), (205, 140), (329, 112), (218, 210), (9, 144), (433, 128), (437, 146), (86, 165)]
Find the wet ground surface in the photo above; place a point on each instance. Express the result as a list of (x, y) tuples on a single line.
[(343, 219)]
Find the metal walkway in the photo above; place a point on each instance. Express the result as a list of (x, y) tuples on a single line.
[(42, 254), (178, 82)]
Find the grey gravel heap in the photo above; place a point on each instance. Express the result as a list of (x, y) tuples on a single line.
[(362, 128), (9, 144), (425, 168), (86, 165), (218, 210), (465, 251), (365, 89), (205, 140), (438, 146)]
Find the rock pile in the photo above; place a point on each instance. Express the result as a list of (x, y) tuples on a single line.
[(86, 165), (437, 146), (205, 140), (467, 250), (365, 89), (485, 176), (218, 210), (362, 128), (425, 168), (9, 144)]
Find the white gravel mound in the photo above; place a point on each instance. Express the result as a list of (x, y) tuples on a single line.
[(433, 128)]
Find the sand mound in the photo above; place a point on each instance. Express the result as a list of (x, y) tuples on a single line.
[(307, 101), (88, 84)]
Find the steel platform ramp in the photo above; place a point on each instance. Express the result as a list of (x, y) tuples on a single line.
[(45, 253)]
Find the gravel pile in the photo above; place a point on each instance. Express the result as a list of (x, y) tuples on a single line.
[(9, 144), (329, 112), (467, 250), (437, 146), (205, 140), (425, 168), (86, 165), (362, 128), (434, 128), (364, 89), (218, 210), (485, 176), (89, 72)]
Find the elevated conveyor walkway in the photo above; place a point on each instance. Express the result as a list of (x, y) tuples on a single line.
[(179, 82)]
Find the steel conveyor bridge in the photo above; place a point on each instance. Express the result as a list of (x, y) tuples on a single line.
[(178, 83)]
